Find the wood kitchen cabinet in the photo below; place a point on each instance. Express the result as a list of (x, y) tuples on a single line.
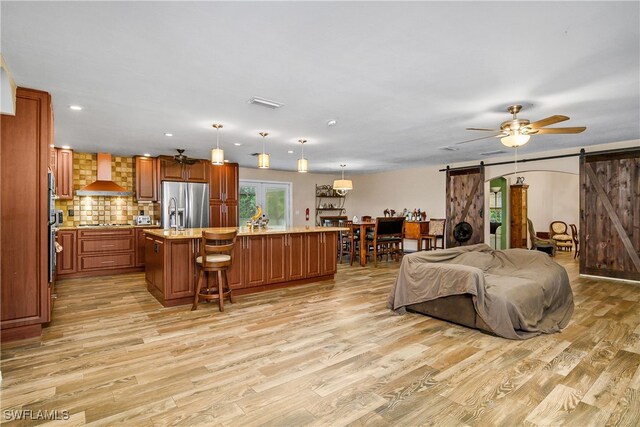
[(321, 253), (249, 262), (64, 173), (140, 245), (25, 139), (519, 216), (146, 174), (66, 261), (223, 195), (170, 170)]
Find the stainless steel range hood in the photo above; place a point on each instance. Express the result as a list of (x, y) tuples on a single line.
[(103, 186)]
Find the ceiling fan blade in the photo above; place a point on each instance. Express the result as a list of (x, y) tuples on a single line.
[(488, 130), (548, 121), (561, 130), (478, 139)]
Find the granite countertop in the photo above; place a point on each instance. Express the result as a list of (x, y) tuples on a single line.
[(196, 233), (105, 227)]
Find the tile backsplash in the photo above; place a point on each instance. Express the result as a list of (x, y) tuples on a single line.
[(101, 209)]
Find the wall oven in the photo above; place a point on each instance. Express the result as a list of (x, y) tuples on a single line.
[(52, 223)]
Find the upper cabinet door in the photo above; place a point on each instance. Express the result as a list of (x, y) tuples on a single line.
[(146, 179), (64, 174), (232, 182), (170, 170), (216, 182), (197, 172)]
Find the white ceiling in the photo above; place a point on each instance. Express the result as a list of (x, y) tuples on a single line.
[(401, 78)]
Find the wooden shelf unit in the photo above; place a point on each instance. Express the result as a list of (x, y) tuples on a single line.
[(326, 195)]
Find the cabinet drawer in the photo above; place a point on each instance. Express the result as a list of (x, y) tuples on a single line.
[(94, 246), (102, 262), (111, 232)]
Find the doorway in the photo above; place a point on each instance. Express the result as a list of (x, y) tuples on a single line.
[(497, 213)]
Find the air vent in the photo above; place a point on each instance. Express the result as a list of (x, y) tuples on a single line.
[(491, 153), (265, 102), (449, 148)]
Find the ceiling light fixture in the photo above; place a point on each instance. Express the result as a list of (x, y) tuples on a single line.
[(342, 186), (168, 134), (515, 139), (237, 144), (263, 158), (75, 107), (217, 154), (265, 102), (331, 123), (303, 164)]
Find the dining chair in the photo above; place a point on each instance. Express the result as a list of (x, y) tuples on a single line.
[(387, 238), (435, 232), (576, 240), (216, 256), (559, 232)]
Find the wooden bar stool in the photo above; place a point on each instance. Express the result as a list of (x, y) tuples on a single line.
[(216, 255)]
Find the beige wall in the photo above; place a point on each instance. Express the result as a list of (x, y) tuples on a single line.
[(303, 189)]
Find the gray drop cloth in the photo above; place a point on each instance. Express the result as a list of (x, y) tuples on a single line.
[(518, 293)]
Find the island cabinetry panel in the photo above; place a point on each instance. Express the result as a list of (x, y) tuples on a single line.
[(66, 261), (260, 262), (249, 262), (146, 179), (170, 170), (140, 245), (154, 265)]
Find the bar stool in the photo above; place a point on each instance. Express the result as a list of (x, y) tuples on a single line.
[(216, 255)]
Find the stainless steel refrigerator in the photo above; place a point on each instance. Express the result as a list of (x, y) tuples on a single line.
[(185, 205)]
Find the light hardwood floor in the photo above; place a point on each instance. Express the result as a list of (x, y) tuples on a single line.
[(328, 353)]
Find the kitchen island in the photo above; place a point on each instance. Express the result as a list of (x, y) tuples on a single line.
[(262, 259)]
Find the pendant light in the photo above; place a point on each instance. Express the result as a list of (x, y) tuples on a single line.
[(217, 154), (303, 164), (342, 186), (263, 159)]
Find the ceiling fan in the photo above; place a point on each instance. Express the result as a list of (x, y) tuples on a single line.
[(516, 132), (182, 159)]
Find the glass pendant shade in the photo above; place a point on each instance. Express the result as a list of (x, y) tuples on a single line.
[(263, 161), (263, 158), (303, 166), (217, 156), (515, 140)]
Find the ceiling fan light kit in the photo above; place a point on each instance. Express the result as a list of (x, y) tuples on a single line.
[(517, 132), (217, 154)]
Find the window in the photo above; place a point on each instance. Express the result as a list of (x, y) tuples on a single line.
[(273, 197)]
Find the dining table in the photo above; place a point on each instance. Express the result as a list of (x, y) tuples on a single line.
[(362, 226)]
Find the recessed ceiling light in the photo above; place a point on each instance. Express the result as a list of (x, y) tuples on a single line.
[(147, 155), (290, 151), (237, 144), (331, 123), (75, 107), (226, 161), (168, 134), (66, 147)]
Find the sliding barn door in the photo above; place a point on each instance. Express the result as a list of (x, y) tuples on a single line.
[(610, 214), (465, 203)]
